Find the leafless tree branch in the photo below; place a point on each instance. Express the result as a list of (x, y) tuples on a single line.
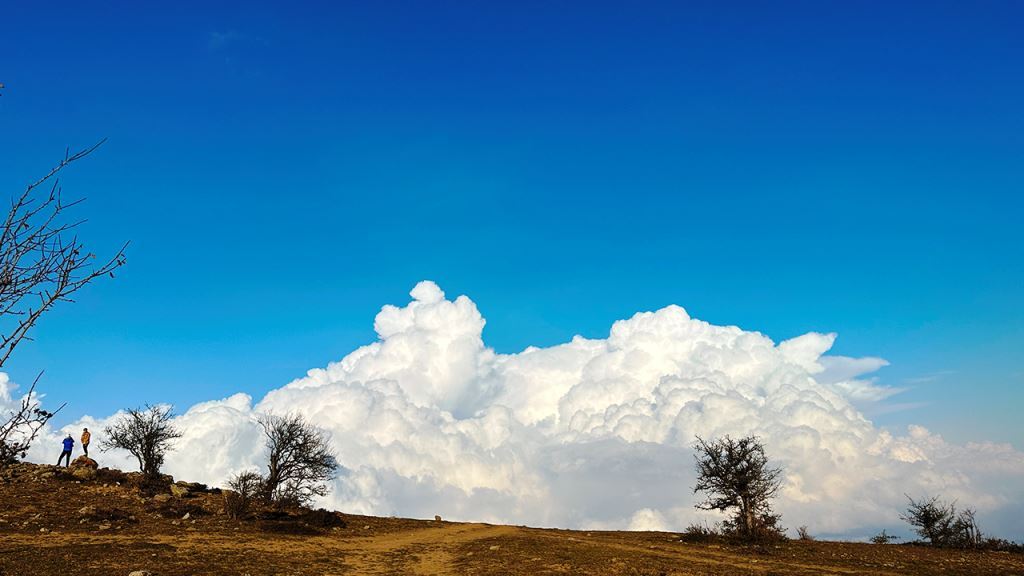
[(42, 261)]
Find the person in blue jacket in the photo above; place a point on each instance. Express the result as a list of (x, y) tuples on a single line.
[(69, 443)]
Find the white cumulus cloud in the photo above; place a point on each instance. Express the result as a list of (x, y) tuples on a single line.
[(595, 432)]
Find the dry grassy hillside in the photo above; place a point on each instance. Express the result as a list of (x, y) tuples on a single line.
[(110, 524)]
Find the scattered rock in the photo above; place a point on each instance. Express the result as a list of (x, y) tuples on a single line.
[(83, 468), (87, 511), (84, 462), (180, 491), (140, 573), (83, 473), (43, 530), (104, 526), (494, 547), (162, 498), (186, 516)]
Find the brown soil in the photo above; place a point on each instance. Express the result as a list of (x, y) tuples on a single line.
[(54, 524)]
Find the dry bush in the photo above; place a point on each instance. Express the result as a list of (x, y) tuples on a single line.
[(302, 523), (883, 538), (288, 527), (942, 525), (803, 534), (244, 489), (700, 533), (20, 425), (321, 518)]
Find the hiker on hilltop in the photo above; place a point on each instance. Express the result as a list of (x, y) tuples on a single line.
[(85, 441), (69, 443)]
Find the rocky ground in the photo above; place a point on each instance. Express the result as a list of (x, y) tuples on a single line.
[(105, 522)]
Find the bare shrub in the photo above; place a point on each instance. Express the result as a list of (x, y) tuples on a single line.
[(700, 533), (883, 538), (803, 534), (146, 434), (942, 525), (321, 518), (736, 478), (299, 460), (18, 428), (244, 489)]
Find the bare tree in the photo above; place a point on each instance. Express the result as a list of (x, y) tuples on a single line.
[(19, 428), (146, 434), (299, 461), (42, 262), (735, 476), (941, 524)]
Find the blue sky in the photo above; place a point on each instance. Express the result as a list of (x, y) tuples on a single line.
[(283, 171)]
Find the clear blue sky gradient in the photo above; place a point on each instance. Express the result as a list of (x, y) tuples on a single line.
[(284, 170)]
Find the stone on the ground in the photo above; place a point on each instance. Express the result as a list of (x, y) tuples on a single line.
[(140, 573), (162, 498), (179, 491), (84, 461), (83, 468)]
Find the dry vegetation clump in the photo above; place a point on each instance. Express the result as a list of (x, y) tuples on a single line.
[(701, 533), (883, 538), (301, 521), (245, 489)]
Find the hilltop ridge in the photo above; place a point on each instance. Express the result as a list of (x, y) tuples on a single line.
[(108, 522)]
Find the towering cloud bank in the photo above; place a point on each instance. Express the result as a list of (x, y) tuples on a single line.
[(597, 433)]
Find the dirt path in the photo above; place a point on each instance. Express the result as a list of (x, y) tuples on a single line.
[(429, 551)]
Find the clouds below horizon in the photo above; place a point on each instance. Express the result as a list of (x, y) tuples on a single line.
[(595, 433)]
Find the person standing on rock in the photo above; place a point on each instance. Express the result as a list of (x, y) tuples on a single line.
[(85, 440), (69, 443)]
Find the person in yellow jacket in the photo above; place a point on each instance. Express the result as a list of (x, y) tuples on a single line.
[(85, 440)]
